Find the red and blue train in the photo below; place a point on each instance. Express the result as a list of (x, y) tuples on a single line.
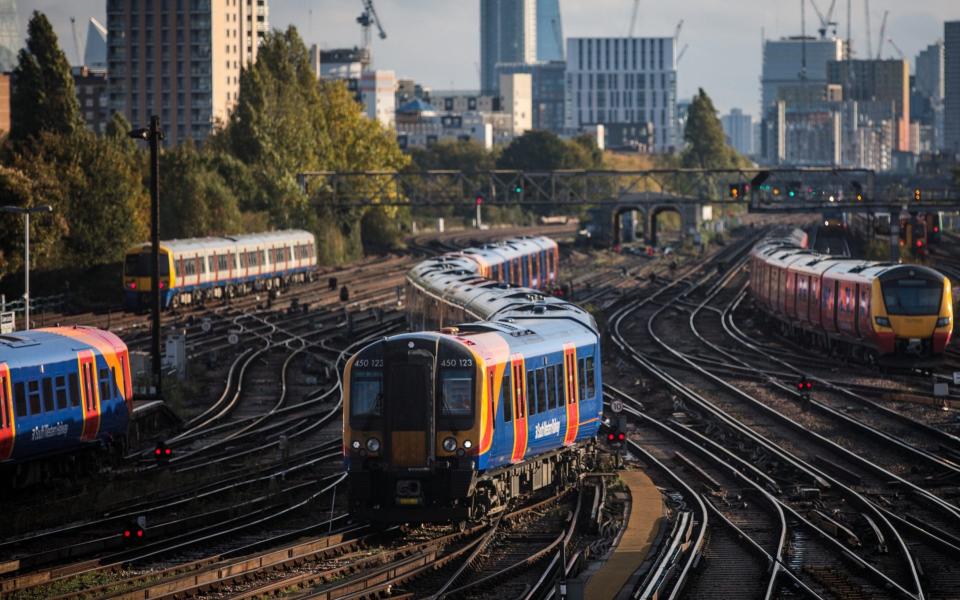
[(453, 424), (63, 390)]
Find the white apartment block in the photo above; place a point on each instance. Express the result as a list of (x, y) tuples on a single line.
[(626, 85), (378, 95)]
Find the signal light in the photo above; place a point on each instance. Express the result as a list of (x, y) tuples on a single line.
[(162, 453), (919, 243), (133, 533), (518, 189), (133, 285), (610, 437), (776, 191), (917, 194), (936, 229), (478, 200), (804, 387)]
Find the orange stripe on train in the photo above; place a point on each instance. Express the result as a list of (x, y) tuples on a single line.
[(572, 402)]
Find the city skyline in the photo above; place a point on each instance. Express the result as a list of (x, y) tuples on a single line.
[(732, 30)]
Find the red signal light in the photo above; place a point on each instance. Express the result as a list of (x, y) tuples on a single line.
[(800, 386), (139, 533), (919, 243), (162, 285), (609, 437), (167, 451), (133, 284), (126, 533), (809, 385), (157, 451), (621, 437)]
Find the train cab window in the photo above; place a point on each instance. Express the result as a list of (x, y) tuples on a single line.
[(552, 392), (366, 393), (541, 391), (20, 399), (531, 393), (47, 394), (104, 384), (74, 388), (33, 394), (912, 296), (581, 378), (507, 397), (589, 381), (60, 383), (456, 393)]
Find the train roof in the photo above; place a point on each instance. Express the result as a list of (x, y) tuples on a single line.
[(211, 243), (54, 344)]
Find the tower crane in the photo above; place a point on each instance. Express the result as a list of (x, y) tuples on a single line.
[(883, 29), (826, 21), (76, 41), (367, 18), (633, 18), (896, 47)]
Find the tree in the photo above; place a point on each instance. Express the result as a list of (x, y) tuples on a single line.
[(43, 96), (706, 143), (18, 188), (539, 150), (196, 200)]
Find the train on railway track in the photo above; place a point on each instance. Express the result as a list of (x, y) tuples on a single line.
[(66, 398), (898, 315), (453, 424), (195, 270)]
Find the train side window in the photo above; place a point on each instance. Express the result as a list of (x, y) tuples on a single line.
[(104, 384), (518, 391), (74, 388), (541, 390), (20, 399), (531, 393), (552, 386), (60, 383), (47, 394), (33, 393), (114, 383), (589, 385), (507, 397)]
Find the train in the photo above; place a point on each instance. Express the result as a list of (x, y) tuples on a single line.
[(897, 315), (63, 391), (434, 300), (920, 230), (453, 424), (195, 270)]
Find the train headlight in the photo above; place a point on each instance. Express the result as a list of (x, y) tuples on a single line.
[(449, 444), (356, 444), (467, 444), (882, 321), (373, 445), (943, 321)]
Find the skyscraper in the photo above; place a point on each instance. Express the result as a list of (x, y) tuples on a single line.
[(180, 60), (783, 64), (885, 83), (10, 40), (628, 85), (549, 31), (508, 34), (95, 50), (951, 88), (926, 99), (738, 128)]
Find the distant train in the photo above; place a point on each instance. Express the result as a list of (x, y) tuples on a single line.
[(198, 269), (451, 425), (919, 231), (898, 315), (63, 390)]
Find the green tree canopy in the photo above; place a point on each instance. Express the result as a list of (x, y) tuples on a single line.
[(196, 199), (706, 143), (43, 96), (539, 150)]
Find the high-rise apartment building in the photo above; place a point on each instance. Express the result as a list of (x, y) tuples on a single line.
[(548, 92), (793, 60), (926, 98), (628, 85), (738, 128), (378, 95), (884, 82), (181, 60), (508, 34), (951, 87), (549, 31)]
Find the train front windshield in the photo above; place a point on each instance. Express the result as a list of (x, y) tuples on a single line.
[(913, 296), (138, 265)]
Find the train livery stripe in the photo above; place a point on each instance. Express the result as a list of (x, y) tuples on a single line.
[(492, 353), (518, 397), (89, 394), (572, 402), (8, 425)]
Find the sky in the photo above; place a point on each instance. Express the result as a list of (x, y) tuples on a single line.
[(437, 42)]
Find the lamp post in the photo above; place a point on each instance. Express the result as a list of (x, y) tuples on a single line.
[(26, 212), (154, 134)]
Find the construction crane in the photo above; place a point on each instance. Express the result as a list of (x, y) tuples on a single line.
[(897, 48), (883, 29), (682, 52), (826, 21), (76, 41), (633, 18), (676, 33), (866, 10), (367, 18)]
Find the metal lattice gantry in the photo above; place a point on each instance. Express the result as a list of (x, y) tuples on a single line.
[(568, 187)]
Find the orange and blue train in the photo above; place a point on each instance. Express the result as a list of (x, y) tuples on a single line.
[(63, 390), (453, 424)]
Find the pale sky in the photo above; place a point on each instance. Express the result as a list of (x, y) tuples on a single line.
[(437, 42)]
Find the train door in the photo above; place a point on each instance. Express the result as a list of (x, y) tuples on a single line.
[(90, 393), (409, 404), (571, 393), (518, 393), (7, 427)]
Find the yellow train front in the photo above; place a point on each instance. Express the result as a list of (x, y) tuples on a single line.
[(452, 425)]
